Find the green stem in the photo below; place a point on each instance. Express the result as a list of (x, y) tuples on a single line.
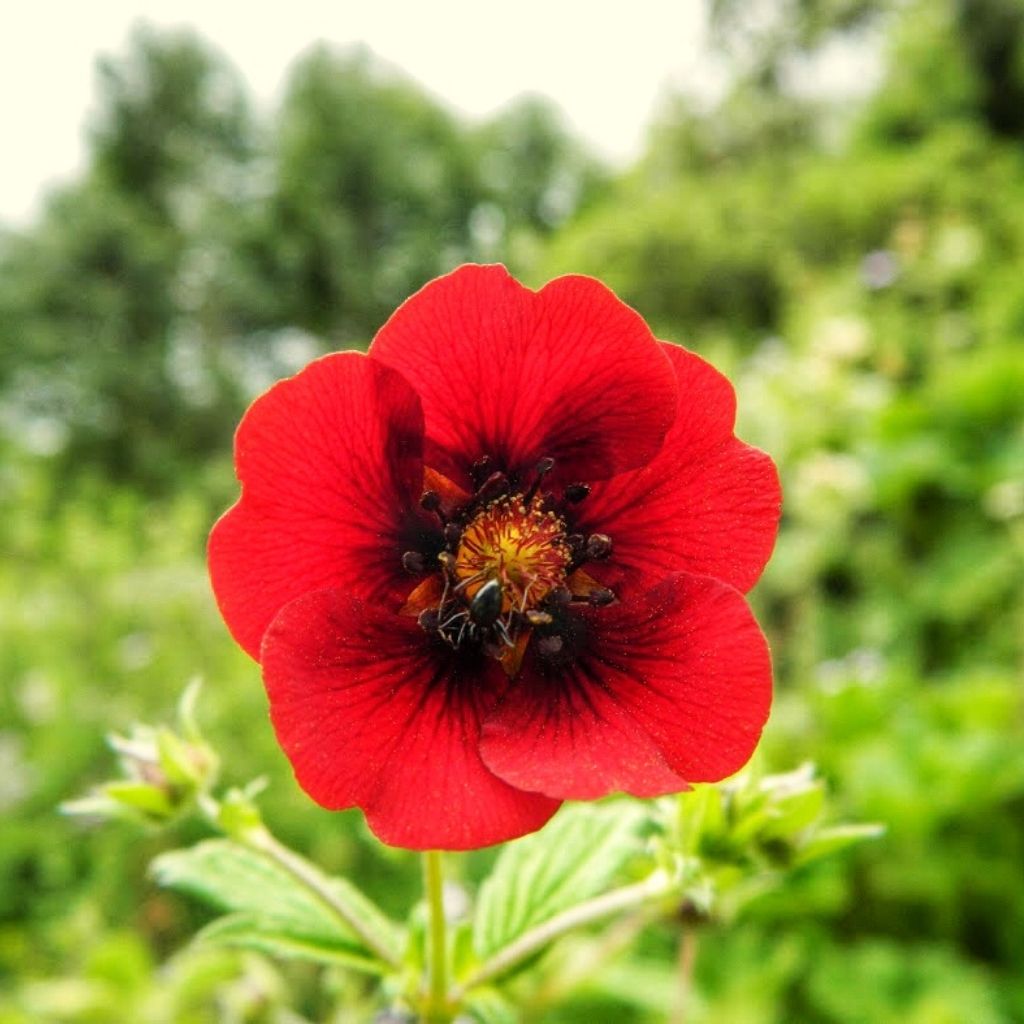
[(438, 1008), (651, 889), (687, 959)]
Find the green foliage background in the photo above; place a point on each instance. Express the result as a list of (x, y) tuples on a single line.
[(859, 275)]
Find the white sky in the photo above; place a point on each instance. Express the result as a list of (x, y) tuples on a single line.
[(604, 63)]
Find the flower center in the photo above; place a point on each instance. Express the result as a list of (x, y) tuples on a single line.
[(509, 566), (517, 544)]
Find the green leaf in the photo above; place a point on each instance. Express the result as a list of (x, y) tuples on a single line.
[(187, 711), (794, 812), (753, 823), (140, 796), (285, 939), (537, 877), (98, 807), (700, 812), (177, 759), (827, 841), (234, 878), (795, 800), (238, 815), (487, 1006)]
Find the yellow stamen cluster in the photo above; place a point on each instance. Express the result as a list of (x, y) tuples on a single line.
[(519, 545)]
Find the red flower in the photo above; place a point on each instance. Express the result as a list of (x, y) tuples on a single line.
[(499, 563)]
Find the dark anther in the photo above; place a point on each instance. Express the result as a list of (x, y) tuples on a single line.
[(548, 645), (429, 620), (560, 597), (481, 469), (493, 487), (575, 493), (414, 562), (485, 607), (452, 533), (599, 545), (430, 501), (576, 542), (543, 467), (537, 618), (601, 597)]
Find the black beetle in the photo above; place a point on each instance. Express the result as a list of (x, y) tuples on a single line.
[(485, 607)]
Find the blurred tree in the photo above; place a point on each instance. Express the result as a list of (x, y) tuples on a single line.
[(373, 189), (762, 39), (953, 60), (762, 116), (535, 172), (172, 117), (91, 299), (992, 34)]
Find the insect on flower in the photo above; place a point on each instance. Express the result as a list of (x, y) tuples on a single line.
[(499, 562)]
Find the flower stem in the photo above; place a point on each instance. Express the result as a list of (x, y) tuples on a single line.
[(438, 1008), (687, 959), (652, 888), (303, 872)]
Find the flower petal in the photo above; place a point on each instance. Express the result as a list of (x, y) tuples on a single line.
[(373, 714), (707, 503), (566, 734), (673, 686), (331, 468), (568, 372)]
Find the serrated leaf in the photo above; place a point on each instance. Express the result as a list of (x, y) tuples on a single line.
[(572, 859), (234, 878), (830, 840), (283, 939)]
